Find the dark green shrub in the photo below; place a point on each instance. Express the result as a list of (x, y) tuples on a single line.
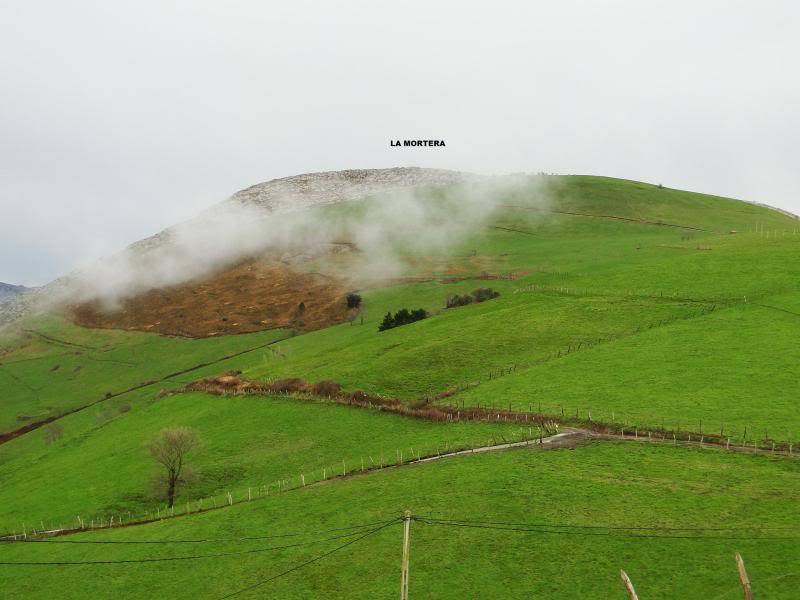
[(387, 323), (402, 317), (417, 315)]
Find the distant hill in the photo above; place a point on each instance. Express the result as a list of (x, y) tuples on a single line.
[(8, 290)]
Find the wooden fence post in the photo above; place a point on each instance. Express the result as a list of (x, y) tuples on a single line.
[(628, 585), (743, 578)]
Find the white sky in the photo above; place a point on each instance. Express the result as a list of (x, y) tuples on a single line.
[(118, 118)]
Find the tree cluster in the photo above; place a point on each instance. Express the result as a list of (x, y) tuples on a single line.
[(402, 317), (353, 300), (479, 295)]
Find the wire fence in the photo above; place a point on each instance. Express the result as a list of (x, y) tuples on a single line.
[(533, 425), (532, 433)]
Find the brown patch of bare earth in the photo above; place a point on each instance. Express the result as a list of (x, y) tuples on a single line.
[(252, 295), (271, 291)]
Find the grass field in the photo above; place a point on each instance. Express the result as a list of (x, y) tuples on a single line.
[(602, 484), (53, 367), (104, 468), (655, 306), (731, 369)]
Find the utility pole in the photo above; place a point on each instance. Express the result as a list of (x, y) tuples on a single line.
[(743, 578), (406, 552)]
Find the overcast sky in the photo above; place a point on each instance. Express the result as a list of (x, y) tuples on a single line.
[(118, 119)]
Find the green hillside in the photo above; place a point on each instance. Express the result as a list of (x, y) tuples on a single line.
[(646, 306), (600, 485)]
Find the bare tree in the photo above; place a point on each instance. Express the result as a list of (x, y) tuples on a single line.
[(170, 450)]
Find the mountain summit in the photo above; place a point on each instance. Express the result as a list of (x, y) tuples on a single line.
[(330, 187)]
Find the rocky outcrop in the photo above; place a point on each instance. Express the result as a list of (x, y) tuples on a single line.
[(313, 189), (302, 192)]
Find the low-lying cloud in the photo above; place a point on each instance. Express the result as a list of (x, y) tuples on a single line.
[(383, 227)]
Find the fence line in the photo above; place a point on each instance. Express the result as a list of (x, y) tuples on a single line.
[(539, 425), (286, 484), (542, 420)]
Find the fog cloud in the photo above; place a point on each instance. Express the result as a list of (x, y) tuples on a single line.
[(383, 228)]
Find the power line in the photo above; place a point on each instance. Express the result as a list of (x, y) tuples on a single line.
[(194, 541), (478, 525), (308, 562), (609, 527), (176, 558), (502, 524)]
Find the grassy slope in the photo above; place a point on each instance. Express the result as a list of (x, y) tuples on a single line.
[(732, 369), (457, 345), (614, 272), (600, 484), (42, 377), (103, 468), (621, 279), (613, 261)]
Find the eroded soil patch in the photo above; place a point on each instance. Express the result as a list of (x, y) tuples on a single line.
[(252, 295)]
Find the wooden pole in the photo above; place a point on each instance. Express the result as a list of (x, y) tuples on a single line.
[(406, 553), (743, 578), (628, 585)]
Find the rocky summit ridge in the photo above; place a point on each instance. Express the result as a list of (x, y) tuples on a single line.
[(329, 187)]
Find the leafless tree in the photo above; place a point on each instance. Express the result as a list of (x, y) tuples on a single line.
[(170, 449)]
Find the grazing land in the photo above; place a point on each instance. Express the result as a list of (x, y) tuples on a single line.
[(617, 304), (574, 500)]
